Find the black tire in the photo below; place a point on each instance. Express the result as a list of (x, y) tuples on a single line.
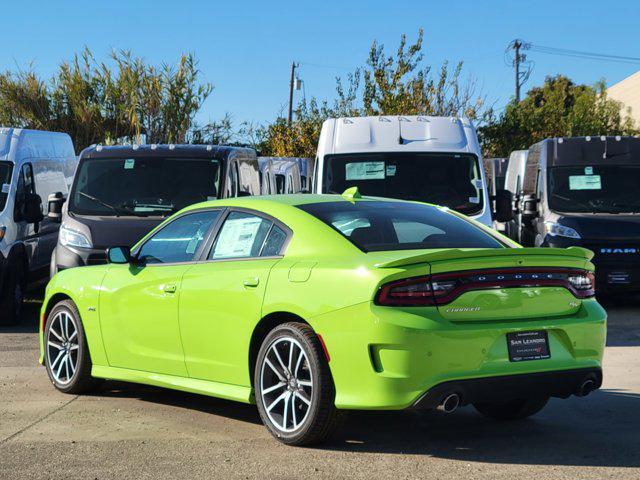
[(321, 418), (512, 410), (13, 293), (80, 380)]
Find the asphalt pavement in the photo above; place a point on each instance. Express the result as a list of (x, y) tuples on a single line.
[(130, 431)]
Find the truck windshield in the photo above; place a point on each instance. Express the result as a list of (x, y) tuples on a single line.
[(451, 180), (6, 169), (595, 189), (143, 186)]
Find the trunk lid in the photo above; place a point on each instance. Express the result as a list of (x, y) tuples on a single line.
[(500, 284)]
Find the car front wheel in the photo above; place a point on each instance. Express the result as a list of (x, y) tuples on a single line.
[(294, 389), (66, 354)]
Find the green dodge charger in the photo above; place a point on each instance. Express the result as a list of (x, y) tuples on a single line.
[(311, 305)]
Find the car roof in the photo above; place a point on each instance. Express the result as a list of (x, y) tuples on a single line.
[(288, 200)]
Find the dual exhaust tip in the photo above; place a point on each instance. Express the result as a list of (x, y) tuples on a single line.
[(451, 402)]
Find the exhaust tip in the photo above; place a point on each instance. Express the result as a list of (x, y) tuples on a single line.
[(450, 403), (586, 388)]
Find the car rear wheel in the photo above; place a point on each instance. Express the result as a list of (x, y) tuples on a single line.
[(512, 410), (294, 389), (66, 354)]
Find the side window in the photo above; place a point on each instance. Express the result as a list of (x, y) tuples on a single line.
[(25, 186), (232, 189), (242, 236), (179, 240), (274, 243)]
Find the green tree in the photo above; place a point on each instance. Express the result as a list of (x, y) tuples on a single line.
[(121, 100), (388, 84), (559, 108)]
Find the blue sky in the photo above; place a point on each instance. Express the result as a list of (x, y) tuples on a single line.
[(245, 47)]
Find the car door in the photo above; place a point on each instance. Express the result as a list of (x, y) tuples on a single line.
[(49, 178), (139, 301), (221, 299), (26, 231)]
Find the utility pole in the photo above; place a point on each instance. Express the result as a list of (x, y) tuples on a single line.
[(293, 74), (516, 47)]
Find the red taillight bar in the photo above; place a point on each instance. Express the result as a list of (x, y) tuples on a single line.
[(450, 285)]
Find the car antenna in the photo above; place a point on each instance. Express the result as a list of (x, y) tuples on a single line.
[(351, 194)]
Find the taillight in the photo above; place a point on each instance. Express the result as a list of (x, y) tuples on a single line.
[(583, 284), (443, 288), (414, 291)]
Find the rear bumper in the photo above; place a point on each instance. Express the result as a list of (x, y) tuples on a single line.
[(561, 384), (386, 358)]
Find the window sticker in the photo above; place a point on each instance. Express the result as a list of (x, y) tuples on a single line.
[(474, 199), (585, 182), (237, 237), (364, 171), (391, 170), (129, 163), (588, 170), (5, 188), (479, 183)]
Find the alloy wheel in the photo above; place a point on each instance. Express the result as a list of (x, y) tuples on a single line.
[(286, 383), (62, 347)]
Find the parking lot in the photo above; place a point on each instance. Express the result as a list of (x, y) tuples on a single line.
[(133, 431)]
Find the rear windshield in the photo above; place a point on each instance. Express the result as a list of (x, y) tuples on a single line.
[(143, 186), (450, 180), (380, 225), (6, 168)]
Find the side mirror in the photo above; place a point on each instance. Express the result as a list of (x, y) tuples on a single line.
[(503, 200), (530, 206), (55, 200), (32, 208), (119, 255)]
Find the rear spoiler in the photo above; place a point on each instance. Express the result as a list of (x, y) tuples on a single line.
[(455, 253)]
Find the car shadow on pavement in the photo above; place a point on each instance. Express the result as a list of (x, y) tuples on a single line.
[(179, 399), (600, 430)]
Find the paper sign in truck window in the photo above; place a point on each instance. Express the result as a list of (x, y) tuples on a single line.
[(364, 171), (585, 182)]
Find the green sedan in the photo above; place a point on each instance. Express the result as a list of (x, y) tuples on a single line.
[(311, 305)]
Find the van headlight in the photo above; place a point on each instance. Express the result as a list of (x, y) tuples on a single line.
[(71, 238), (554, 228)]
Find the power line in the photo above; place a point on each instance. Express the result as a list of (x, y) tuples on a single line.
[(579, 53)]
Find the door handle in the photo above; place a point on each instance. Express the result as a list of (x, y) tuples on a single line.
[(251, 282), (170, 288)]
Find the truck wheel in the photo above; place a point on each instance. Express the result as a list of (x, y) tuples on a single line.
[(12, 294), (512, 410), (294, 389)]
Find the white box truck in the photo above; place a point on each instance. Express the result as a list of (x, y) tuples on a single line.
[(428, 159)]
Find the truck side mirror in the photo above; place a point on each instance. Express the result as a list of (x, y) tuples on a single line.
[(32, 208), (530, 206), (503, 200), (55, 200)]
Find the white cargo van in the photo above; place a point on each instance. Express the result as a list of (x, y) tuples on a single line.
[(428, 159), (33, 166)]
